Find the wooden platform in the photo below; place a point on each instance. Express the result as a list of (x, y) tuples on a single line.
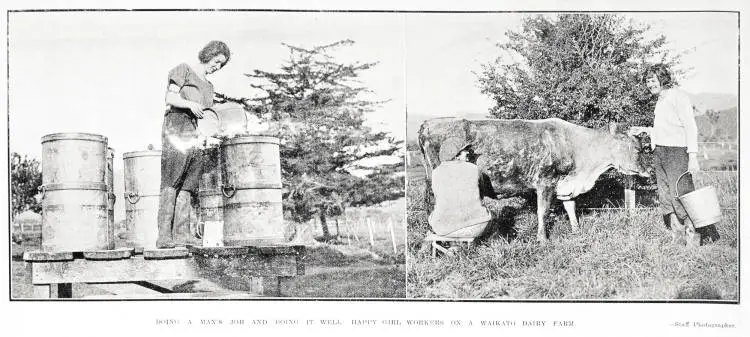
[(435, 246), (62, 269)]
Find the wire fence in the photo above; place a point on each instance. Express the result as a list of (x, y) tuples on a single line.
[(27, 228), (377, 232), (725, 183)]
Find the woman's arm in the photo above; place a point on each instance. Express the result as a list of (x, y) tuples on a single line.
[(687, 118), (485, 186), (637, 130), (174, 99)]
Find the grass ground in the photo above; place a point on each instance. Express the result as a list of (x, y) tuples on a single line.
[(616, 256)]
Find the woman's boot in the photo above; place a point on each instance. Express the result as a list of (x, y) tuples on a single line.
[(678, 231), (709, 234), (693, 238), (167, 200), (184, 216)]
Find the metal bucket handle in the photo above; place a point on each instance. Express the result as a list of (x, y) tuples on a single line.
[(676, 183), (226, 187), (130, 196), (199, 230)]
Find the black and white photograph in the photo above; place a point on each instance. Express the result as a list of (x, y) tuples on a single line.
[(573, 156), (500, 168), (181, 154)]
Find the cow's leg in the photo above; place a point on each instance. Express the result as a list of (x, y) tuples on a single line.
[(543, 201), (570, 208), (429, 196)]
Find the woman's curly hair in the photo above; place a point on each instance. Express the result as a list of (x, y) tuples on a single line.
[(212, 49), (662, 73)]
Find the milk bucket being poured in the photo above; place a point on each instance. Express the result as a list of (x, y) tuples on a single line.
[(229, 120)]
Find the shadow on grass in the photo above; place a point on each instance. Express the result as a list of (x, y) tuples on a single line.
[(377, 282), (502, 226)]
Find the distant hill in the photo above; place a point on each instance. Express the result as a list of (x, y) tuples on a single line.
[(719, 126), (716, 117), (713, 101)]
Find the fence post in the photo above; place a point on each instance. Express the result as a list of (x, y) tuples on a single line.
[(348, 233), (629, 199), (355, 233), (369, 230), (628, 191), (629, 194), (393, 235)]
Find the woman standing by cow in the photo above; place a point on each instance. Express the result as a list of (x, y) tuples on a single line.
[(188, 95), (674, 139)]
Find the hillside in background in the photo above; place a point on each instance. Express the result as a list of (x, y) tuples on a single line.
[(718, 126), (713, 101)]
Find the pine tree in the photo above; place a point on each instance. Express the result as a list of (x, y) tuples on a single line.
[(317, 99)]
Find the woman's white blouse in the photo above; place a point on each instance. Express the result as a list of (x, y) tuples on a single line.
[(674, 121)]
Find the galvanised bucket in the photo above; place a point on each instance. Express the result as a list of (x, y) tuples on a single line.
[(702, 205)]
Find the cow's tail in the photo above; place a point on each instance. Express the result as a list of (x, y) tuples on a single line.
[(427, 164)]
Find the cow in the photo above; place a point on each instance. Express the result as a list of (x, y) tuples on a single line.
[(552, 157)]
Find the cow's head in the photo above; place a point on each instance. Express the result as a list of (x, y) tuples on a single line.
[(630, 157)]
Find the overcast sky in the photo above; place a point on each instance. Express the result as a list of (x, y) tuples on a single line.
[(105, 72)]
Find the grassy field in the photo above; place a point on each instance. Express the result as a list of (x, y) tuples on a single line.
[(616, 256)]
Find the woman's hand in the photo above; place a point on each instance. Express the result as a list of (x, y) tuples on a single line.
[(693, 166), (195, 108), (174, 99), (637, 130)]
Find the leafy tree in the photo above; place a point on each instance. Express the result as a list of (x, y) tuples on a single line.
[(25, 179), (584, 68), (317, 100)]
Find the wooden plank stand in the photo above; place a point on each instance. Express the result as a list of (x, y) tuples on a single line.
[(127, 267), (436, 247)]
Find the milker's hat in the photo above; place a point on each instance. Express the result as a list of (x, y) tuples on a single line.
[(451, 147)]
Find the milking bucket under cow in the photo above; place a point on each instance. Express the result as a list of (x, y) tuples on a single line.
[(253, 211)]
